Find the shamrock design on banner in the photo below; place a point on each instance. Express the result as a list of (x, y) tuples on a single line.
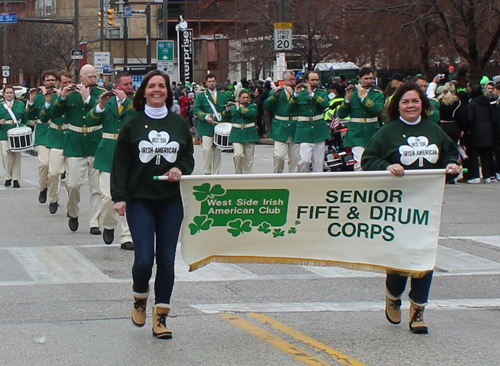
[(418, 148), (158, 146)]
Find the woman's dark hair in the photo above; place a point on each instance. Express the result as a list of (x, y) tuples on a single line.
[(393, 108), (10, 87), (476, 91), (140, 95), (243, 92)]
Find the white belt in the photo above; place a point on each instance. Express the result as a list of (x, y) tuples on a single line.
[(281, 118), (110, 136), (310, 119), (38, 122), (364, 120), (9, 122), (57, 127), (84, 129), (243, 125)]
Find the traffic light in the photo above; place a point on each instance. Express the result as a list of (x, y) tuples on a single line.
[(99, 20), (111, 14)]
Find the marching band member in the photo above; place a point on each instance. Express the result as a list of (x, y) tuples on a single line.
[(363, 103), (80, 145), (55, 141), (283, 126), (112, 111), (308, 102), (244, 133), (36, 101), (12, 111), (208, 107)]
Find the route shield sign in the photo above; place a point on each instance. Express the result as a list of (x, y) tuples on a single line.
[(165, 50)]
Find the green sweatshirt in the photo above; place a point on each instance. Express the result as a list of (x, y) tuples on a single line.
[(421, 146), (148, 147)]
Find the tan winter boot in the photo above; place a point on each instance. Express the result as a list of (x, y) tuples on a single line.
[(392, 308), (417, 324), (160, 312), (139, 309)]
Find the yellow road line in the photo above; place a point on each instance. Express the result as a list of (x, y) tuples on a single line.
[(336, 355), (275, 341)]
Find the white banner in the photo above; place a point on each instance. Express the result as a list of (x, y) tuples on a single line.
[(361, 220)]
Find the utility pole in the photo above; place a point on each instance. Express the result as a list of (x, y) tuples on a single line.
[(77, 35), (148, 34), (101, 30), (282, 10), (165, 20)]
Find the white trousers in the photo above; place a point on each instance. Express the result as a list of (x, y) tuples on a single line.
[(312, 153), (43, 165), (357, 152), (11, 162), (57, 166), (110, 217), (77, 168), (281, 151), (211, 154), (243, 157)]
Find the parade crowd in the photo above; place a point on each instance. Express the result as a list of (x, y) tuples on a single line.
[(118, 137)]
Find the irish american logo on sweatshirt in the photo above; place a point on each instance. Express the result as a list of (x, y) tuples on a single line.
[(157, 147), (418, 148)]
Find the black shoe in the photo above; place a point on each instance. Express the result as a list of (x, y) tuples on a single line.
[(53, 207), (73, 223), (63, 176), (8, 183), (127, 245), (108, 235), (95, 231), (16, 184), (42, 197)]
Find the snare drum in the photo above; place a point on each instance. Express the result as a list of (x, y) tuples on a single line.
[(20, 139), (221, 136)]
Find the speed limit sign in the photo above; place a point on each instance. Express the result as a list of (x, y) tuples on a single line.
[(283, 37)]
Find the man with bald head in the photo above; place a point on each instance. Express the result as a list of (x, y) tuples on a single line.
[(82, 138)]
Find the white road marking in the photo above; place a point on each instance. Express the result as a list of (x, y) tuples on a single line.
[(292, 307)]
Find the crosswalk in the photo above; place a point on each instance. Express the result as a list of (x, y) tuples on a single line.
[(66, 265)]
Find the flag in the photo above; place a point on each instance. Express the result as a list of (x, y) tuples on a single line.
[(335, 123)]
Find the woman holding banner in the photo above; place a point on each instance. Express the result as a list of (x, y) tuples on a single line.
[(152, 142), (409, 128), (244, 134)]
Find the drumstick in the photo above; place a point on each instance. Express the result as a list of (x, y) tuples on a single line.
[(160, 177)]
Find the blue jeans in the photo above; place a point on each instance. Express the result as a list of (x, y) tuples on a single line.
[(420, 287), (147, 220)]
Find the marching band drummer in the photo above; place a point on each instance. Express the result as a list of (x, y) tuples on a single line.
[(244, 134), (208, 107), (11, 111)]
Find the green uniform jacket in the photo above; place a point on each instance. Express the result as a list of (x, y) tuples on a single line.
[(112, 122), (360, 133), (55, 137), (280, 130), (33, 113), (243, 116), (393, 144), (20, 113), (433, 115), (202, 109), (79, 144), (305, 106)]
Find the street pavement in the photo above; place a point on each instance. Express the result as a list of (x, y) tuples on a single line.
[(65, 297)]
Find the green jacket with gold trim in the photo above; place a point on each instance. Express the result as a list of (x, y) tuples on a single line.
[(79, 144), (243, 116), (202, 109), (55, 136), (33, 113), (280, 130), (359, 133), (112, 122), (19, 111), (303, 105)]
